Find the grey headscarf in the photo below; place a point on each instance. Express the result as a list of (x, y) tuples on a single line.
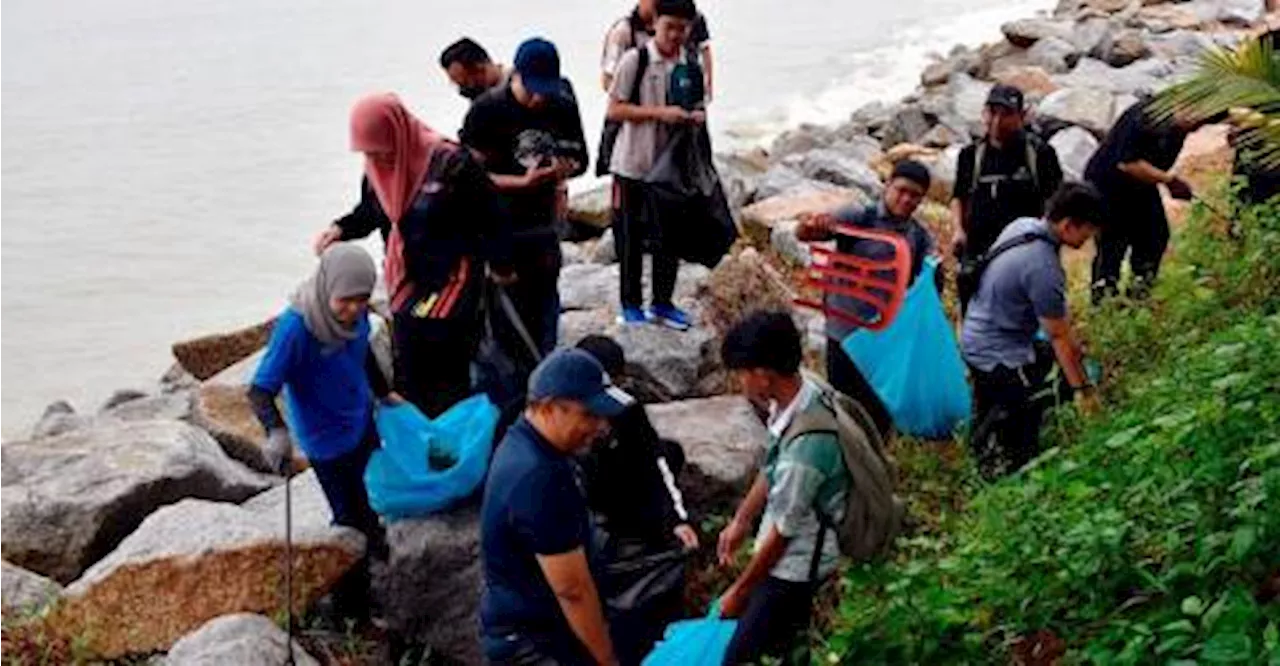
[(345, 270)]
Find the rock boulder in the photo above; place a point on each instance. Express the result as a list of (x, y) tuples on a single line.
[(196, 560), (69, 500), (24, 592), (831, 166), (1074, 145), (723, 441), (245, 639), (591, 208), (758, 219), (1089, 108)]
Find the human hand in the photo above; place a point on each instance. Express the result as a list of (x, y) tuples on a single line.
[(330, 235), (731, 538), (698, 117), (687, 536), (816, 226), (392, 399), (958, 241), (672, 115), (1179, 189), (733, 602), (279, 451), (564, 167), (538, 175), (1087, 401)]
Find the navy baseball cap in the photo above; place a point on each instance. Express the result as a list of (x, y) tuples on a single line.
[(573, 374), (538, 65), (1005, 96)]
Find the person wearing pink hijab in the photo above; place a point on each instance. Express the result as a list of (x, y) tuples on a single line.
[(437, 212)]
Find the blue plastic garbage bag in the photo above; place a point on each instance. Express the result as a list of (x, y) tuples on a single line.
[(425, 464), (694, 642), (914, 364)]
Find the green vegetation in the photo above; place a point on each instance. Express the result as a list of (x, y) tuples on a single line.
[(1148, 534)]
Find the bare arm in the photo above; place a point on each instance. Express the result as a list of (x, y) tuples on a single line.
[(959, 222), (707, 71), (1067, 350), (767, 555), (735, 532), (1145, 171), (571, 581), (626, 112)]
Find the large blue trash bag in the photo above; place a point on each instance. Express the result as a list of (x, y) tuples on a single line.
[(700, 642), (425, 464), (914, 364)]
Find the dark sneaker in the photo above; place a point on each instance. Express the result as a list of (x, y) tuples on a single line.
[(632, 315)]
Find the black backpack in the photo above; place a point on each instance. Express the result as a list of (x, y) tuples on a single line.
[(609, 135)]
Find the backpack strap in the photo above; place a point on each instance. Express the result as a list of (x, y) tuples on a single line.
[(642, 64), (1016, 241), (814, 422)]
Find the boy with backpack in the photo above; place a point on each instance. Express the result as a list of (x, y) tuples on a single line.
[(825, 487), (1007, 175), (657, 87)]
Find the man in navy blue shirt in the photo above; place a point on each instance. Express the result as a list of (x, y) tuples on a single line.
[(540, 604)]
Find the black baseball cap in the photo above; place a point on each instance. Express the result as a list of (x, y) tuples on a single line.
[(538, 64), (574, 374), (1005, 96)]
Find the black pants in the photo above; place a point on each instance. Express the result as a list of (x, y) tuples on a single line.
[(773, 623), (432, 355), (1137, 226), (536, 295), (633, 230), (1006, 433), (847, 379), (342, 480)]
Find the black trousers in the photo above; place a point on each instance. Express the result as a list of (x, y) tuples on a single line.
[(1136, 226), (847, 379), (773, 623), (342, 480), (633, 232), (1007, 417)]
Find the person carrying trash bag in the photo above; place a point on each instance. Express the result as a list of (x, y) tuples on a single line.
[(894, 213), (643, 531), (825, 488), (319, 356)]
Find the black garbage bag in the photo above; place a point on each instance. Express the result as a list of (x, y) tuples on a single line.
[(643, 591), (687, 202)]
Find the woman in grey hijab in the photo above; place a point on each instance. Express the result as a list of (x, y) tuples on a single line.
[(319, 356)]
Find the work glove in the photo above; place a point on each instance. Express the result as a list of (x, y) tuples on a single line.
[(279, 451)]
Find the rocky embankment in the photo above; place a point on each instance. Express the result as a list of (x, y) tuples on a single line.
[(151, 526)]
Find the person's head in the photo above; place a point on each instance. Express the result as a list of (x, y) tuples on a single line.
[(1075, 212), (571, 400), (374, 122), (671, 24), (1004, 114), (907, 186), (606, 351), (537, 76), (763, 352), (469, 67), (646, 8), (347, 276)]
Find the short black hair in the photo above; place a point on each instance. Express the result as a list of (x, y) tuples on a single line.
[(465, 52), (763, 340), (607, 351), (1078, 201), (684, 9), (912, 171)]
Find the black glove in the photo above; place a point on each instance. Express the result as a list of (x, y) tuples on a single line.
[(1179, 189)]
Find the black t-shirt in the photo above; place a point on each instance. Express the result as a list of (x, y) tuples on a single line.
[(504, 132), (1134, 137), (1006, 187)]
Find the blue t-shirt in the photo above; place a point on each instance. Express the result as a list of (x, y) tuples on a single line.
[(327, 394), (1019, 287), (532, 506)]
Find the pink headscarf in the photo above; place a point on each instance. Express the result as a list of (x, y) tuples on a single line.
[(403, 146)]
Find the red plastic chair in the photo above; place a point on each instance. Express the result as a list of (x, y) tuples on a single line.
[(879, 283)]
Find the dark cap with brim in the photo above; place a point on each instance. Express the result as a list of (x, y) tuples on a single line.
[(575, 375), (538, 64), (1005, 97)]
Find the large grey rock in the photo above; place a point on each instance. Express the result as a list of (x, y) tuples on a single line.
[(968, 97), (226, 413), (592, 208), (605, 249), (801, 139), (679, 360), (906, 125), (1143, 76), (1053, 54), (1074, 145), (245, 639), (834, 167), (778, 179), (1179, 44), (723, 441), (121, 396), (738, 175), (1231, 12), (1090, 34), (783, 240), (859, 146), (573, 253), (170, 406), (1086, 107), (196, 560), (1124, 48), (595, 286), (871, 116), (578, 324), (68, 500), (1027, 32), (431, 585), (23, 592), (58, 418)]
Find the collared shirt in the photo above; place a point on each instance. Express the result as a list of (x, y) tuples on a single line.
[(639, 144), (804, 473)]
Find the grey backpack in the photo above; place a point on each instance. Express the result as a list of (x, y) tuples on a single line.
[(873, 513)]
